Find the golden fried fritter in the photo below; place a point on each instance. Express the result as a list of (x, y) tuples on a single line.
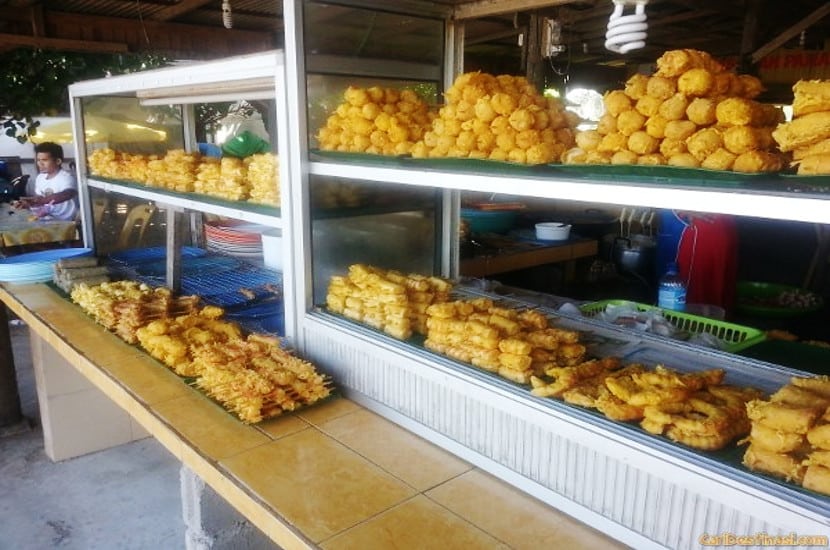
[(696, 82), (751, 86), (686, 160), (820, 148), (719, 160), (630, 121), (679, 129), (811, 96), (660, 87), (642, 143), (674, 108), (758, 161), (616, 102), (701, 111), (704, 142), (636, 86), (803, 131)]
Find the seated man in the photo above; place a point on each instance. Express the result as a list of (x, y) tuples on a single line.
[(55, 189)]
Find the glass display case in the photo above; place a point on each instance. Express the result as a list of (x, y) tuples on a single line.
[(180, 178), (645, 490)]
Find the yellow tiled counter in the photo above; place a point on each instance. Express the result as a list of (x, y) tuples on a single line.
[(334, 476)]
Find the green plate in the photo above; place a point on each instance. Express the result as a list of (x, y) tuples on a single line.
[(479, 166), (806, 184), (796, 355), (672, 175), (758, 298), (319, 155)]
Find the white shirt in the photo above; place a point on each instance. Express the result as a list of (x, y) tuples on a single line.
[(61, 181)]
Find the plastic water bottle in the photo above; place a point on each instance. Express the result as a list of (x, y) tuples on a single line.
[(671, 292)]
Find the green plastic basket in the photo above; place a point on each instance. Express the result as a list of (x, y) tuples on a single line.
[(733, 337)]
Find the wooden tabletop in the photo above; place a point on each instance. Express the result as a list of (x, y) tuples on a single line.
[(333, 476), (526, 254)]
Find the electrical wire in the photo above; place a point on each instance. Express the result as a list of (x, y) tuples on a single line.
[(141, 21)]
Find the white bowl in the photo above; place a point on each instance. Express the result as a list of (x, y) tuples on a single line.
[(553, 231)]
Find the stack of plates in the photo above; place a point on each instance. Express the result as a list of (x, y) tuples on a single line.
[(36, 267), (242, 240)]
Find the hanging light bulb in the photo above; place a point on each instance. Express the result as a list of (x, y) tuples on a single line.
[(227, 18), (627, 32)]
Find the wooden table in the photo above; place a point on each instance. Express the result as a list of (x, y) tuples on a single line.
[(18, 229), (529, 253)]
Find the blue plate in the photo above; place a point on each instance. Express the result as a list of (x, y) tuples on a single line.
[(46, 255), (36, 267)]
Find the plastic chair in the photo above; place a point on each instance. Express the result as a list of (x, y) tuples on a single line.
[(137, 219), (99, 207), (19, 186)]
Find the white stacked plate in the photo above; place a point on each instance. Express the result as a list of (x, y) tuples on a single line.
[(36, 267), (242, 240)]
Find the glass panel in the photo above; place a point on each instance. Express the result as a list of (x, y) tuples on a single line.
[(326, 94), (232, 157), (123, 124), (383, 225), (121, 222), (368, 34)]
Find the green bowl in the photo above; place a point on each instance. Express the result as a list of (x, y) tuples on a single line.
[(761, 299), (489, 221)]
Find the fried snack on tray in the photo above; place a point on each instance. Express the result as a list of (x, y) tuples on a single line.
[(256, 379), (586, 392), (817, 478), (694, 409), (174, 341), (786, 466), (803, 131), (254, 178), (817, 384), (676, 62), (125, 306), (502, 118), (790, 434), (811, 96), (782, 416), (709, 419), (516, 344), (387, 300), (775, 440), (566, 378), (677, 115), (813, 165), (376, 120)]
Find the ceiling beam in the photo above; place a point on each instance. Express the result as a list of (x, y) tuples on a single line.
[(182, 7), (75, 32), (483, 8), (17, 40), (793, 31)]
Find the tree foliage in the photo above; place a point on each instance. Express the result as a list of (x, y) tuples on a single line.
[(35, 82)]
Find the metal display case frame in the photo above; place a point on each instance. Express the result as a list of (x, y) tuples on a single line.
[(253, 76), (638, 490)]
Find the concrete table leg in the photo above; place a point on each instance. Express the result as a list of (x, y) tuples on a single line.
[(211, 523), (10, 411)]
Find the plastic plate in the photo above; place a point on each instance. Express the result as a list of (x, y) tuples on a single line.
[(759, 298)]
